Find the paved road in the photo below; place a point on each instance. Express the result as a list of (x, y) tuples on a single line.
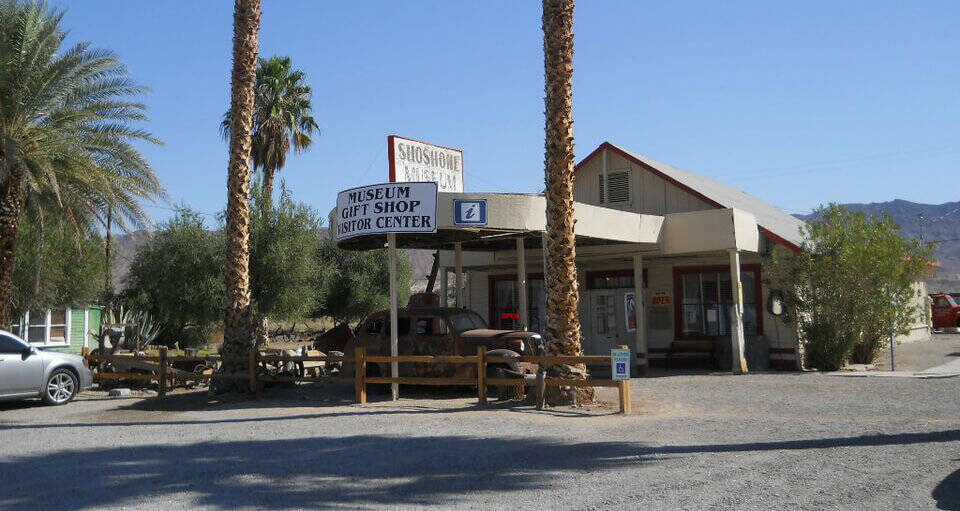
[(762, 441)]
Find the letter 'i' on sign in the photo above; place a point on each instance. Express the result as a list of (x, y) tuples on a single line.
[(620, 364), (470, 211)]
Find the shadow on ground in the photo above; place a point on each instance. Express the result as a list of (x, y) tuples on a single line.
[(947, 493), (357, 470)]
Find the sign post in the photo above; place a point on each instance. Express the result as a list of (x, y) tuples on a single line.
[(388, 208), (394, 350)]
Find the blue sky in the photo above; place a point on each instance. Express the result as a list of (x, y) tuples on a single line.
[(797, 103)]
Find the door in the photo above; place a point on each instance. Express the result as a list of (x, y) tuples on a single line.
[(18, 375), (603, 321)]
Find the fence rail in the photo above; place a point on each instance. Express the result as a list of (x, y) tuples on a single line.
[(157, 368)]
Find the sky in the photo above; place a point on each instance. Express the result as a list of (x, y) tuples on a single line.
[(797, 103)]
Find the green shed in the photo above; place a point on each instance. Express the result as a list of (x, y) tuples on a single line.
[(67, 329)]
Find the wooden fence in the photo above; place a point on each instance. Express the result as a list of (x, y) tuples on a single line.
[(156, 368)]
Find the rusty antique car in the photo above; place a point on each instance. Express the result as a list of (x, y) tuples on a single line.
[(430, 330)]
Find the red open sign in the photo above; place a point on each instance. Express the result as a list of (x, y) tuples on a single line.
[(510, 315)]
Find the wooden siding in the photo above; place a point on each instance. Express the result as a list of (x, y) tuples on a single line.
[(650, 194)]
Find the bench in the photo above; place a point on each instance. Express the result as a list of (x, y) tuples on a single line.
[(692, 346)]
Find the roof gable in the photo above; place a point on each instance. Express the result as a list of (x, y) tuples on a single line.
[(774, 222)]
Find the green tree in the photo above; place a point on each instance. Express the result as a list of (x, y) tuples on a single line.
[(282, 118), (849, 284), (358, 283), (66, 131), (285, 270), (56, 266), (177, 277)]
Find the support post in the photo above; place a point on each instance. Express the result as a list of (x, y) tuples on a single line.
[(86, 327), (640, 335), (736, 316), (444, 302), (458, 263), (623, 387), (482, 374), (360, 373), (522, 285), (162, 374), (394, 366)]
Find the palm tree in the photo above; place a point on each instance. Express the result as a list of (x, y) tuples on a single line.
[(66, 140), (282, 117), (563, 296), (237, 341)]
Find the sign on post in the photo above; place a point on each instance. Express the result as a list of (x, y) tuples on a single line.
[(412, 161), (620, 364), (470, 211), (387, 208)]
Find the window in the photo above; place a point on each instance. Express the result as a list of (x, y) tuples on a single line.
[(44, 326), (431, 326), (618, 185), (467, 320), (505, 300), (613, 279), (707, 299), (10, 345), (403, 327), (375, 325)]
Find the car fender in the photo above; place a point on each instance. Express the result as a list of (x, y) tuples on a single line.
[(513, 367)]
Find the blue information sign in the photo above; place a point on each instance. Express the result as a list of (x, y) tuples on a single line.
[(470, 211)]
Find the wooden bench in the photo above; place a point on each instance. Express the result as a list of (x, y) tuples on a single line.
[(692, 346)]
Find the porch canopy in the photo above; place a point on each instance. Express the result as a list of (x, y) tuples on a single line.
[(514, 215)]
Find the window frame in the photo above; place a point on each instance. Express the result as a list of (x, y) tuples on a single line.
[(47, 326), (680, 271)]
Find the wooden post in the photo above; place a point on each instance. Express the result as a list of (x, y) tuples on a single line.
[(162, 376), (624, 388), (360, 373), (254, 388), (458, 267), (736, 316), (482, 374)]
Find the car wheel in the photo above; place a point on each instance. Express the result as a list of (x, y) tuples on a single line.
[(60, 388)]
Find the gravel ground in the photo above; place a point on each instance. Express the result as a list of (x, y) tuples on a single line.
[(695, 441)]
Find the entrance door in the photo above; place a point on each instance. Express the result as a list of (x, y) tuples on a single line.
[(603, 321)]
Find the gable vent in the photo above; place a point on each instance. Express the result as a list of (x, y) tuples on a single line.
[(618, 184)]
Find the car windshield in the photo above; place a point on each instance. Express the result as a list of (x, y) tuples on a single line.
[(466, 320)]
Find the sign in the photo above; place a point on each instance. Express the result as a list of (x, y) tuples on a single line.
[(413, 161), (387, 208), (620, 364), (470, 211), (630, 310), (660, 297)]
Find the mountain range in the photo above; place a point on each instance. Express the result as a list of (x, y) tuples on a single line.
[(938, 224)]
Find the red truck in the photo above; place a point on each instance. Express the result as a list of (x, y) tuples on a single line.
[(945, 312)]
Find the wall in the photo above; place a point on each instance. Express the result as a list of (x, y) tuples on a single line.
[(650, 194)]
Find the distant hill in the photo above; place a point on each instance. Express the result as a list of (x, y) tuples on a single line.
[(934, 223)]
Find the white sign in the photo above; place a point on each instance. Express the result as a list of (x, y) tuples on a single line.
[(387, 208), (412, 160), (620, 364)]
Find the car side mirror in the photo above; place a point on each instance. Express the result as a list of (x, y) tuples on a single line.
[(27, 352)]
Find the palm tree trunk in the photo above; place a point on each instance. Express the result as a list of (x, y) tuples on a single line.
[(267, 190), (563, 295), (11, 204), (237, 339)]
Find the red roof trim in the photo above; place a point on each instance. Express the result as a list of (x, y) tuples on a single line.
[(678, 184)]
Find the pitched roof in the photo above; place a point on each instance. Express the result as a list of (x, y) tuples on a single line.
[(773, 221)]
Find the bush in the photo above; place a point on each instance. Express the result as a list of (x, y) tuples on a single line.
[(824, 347)]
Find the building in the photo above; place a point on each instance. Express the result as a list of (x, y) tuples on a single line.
[(66, 328), (669, 262)]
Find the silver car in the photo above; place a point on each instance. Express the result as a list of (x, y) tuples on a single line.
[(28, 372)]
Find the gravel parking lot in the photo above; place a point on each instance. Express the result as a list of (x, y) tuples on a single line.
[(695, 441)]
